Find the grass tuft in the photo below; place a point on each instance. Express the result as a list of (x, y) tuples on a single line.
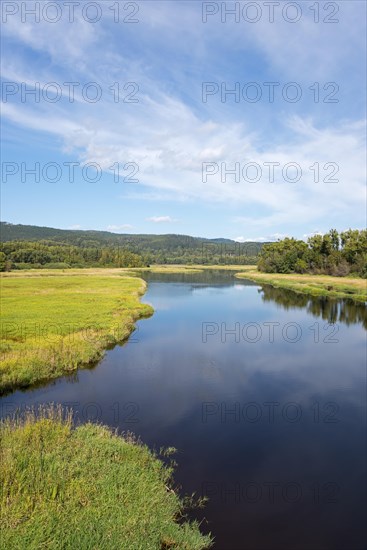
[(85, 487)]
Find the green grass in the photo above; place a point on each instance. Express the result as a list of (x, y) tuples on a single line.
[(86, 488), (354, 288), (53, 324)]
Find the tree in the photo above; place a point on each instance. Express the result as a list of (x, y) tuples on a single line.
[(329, 253), (2, 261)]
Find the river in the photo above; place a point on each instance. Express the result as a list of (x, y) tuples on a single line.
[(263, 394)]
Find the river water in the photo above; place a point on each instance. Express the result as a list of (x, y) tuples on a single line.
[(263, 394)]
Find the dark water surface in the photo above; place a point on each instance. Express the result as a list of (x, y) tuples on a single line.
[(263, 393)]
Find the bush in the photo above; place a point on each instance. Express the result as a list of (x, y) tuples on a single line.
[(23, 265), (340, 270), (300, 266)]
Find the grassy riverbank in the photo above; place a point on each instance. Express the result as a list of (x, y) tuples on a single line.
[(314, 285), (354, 288), (53, 323), (108, 271), (86, 487)]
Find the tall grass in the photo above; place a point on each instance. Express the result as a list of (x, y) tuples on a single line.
[(86, 488)]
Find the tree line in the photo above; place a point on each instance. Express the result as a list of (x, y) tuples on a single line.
[(51, 254), (88, 248), (334, 253), (43, 254), (337, 254)]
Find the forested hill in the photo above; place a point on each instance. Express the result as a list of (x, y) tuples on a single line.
[(10, 232), (24, 244)]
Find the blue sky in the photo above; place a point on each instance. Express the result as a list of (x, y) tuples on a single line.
[(170, 134)]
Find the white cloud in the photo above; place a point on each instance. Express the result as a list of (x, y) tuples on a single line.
[(170, 161), (240, 239), (161, 219), (169, 138), (170, 157), (269, 238), (117, 228)]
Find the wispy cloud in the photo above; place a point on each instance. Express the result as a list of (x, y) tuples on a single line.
[(268, 238), (170, 132), (118, 228), (161, 219)]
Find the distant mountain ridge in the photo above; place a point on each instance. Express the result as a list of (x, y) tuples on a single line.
[(25, 245), (19, 232)]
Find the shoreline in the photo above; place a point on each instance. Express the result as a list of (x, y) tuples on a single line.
[(352, 288)]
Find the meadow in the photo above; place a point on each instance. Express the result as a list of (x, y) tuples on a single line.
[(54, 323)]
